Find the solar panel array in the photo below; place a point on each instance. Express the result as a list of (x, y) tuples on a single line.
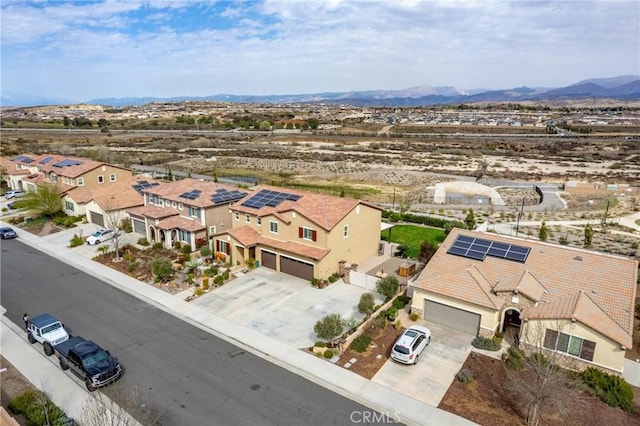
[(143, 184), (67, 162), (223, 196), (23, 159), (479, 248), (269, 198), (46, 160), (192, 195)]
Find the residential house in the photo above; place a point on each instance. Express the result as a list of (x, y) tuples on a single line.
[(65, 172), (577, 302), (299, 233), (107, 205), (186, 211)]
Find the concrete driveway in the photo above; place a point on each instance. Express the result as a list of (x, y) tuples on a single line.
[(430, 378), (282, 306)]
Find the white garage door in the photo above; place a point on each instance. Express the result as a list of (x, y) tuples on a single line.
[(450, 317)]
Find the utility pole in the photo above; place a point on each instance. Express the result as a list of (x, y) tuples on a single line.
[(604, 219), (519, 216)]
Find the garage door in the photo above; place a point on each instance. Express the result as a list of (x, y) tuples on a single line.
[(138, 226), (96, 218), (296, 268), (447, 316), (268, 259)]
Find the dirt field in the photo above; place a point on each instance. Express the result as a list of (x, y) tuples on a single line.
[(13, 384)]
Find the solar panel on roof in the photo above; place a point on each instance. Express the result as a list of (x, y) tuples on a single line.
[(518, 257), (464, 238), (479, 248), (46, 160), (496, 252), (478, 255), (519, 249)]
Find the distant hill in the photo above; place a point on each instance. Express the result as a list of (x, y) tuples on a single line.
[(625, 87)]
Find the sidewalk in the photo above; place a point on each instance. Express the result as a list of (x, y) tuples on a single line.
[(334, 378)]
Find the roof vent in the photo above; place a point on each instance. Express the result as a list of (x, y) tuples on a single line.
[(578, 258)]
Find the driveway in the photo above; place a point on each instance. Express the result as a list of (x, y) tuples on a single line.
[(430, 378), (282, 306)]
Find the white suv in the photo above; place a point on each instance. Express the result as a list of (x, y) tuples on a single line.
[(410, 344), (13, 193)]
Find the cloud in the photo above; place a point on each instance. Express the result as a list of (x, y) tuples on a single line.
[(139, 48)]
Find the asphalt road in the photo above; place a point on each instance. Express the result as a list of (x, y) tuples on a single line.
[(193, 377)]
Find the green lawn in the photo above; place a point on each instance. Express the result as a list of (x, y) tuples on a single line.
[(413, 236)]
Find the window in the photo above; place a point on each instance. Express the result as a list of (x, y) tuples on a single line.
[(273, 227), (112, 177), (80, 181), (572, 345), (184, 236), (223, 247), (194, 212), (173, 204), (100, 179), (247, 218), (180, 206), (345, 231), (68, 205), (150, 198), (237, 216), (307, 234), (259, 221), (212, 230), (54, 178)]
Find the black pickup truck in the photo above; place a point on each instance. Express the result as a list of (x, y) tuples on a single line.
[(88, 361)]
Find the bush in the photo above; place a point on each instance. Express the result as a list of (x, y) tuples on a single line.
[(612, 390), (186, 249), (320, 345), (328, 354), (465, 375), (33, 405), (226, 275), (486, 344), (177, 245), (218, 280), (391, 313), (414, 316), (76, 241), (375, 308), (162, 268), (205, 251), (158, 246), (400, 302), (515, 358), (200, 242), (388, 287), (333, 277), (198, 291), (381, 321), (212, 271), (361, 343), (143, 241)]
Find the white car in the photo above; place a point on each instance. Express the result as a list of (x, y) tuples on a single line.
[(13, 193), (410, 344), (101, 235)]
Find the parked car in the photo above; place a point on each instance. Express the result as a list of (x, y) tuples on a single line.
[(7, 232), (13, 193), (101, 235), (89, 362), (47, 330), (410, 344)]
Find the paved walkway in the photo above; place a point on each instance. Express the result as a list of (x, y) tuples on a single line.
[(334, 378)]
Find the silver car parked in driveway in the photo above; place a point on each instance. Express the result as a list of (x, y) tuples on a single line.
[(410, 344)]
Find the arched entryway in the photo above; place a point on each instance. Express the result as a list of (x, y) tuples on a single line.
[(510, 326)]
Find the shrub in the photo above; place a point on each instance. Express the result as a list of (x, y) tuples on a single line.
[(414, 316), (205, 283), (186, 249), (132, 266), (198, 291), (515, 358), (177, 245), (320, 345), (366, 304), (158, 246), (76, 241), (162, 268), (465, 375), (200, 242), (205, 251), (125, 226), (333, 278), (612, 390), (391, 313), (381, 321), (34, 404), (218, 280), (398, 324), (143, 241), (361, 343), (400, 302), (226, 275), (375, 308), (212, 271), (328, 354), (388, 287), (486, 344)]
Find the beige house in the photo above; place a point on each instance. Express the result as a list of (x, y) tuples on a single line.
[(107, 205), (187, 211), (577, 302), (65, 172), (300, 233)]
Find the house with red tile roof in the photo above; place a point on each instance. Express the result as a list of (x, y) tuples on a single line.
[(186, 211), (576, 302), (300, 233)]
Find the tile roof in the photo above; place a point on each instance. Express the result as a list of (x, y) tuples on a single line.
[(112, 196), (551, 273), (153, 212), (172, 191), (326, 211), (179, 222), (248, 236), (71, 170)]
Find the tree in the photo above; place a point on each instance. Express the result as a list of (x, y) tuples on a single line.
[(114, 219), (401, 250), (543, 233), (588, 236), (387, 286), (455, 224), (162, 268), (366, 304), (45, 200), (470, 220), (313, 123), (427, 250), (329, 328)]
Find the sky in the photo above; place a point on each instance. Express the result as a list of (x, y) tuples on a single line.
[(82, 50)]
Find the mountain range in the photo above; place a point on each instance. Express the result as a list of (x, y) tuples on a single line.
[(624, 88)]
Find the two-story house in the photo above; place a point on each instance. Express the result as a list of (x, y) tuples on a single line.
[(299, 233), (185, 211)]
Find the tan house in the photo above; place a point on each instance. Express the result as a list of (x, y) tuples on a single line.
[(65, 172), (577, 302), (187, 211), (299, 233), (107, 205)]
